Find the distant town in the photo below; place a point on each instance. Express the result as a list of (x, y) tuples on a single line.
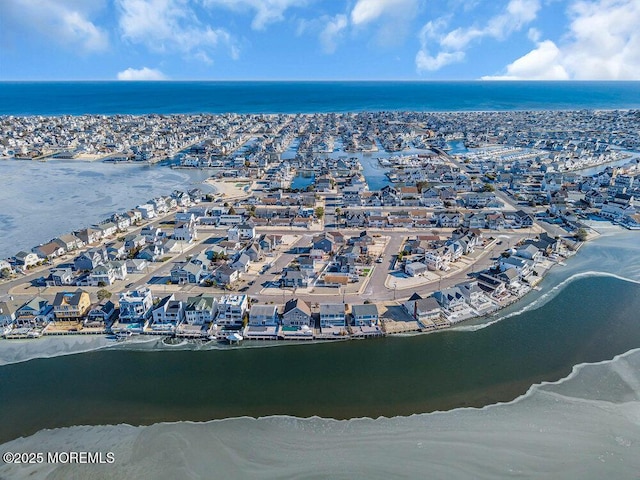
[(320, 226)]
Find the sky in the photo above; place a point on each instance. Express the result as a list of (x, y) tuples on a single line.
[(319, 39)]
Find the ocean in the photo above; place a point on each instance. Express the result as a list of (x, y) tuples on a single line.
[(77, 98), (547, 388)]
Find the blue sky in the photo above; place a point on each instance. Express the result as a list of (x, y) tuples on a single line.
[(319, 39)]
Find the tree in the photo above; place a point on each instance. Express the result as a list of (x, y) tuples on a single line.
[(581, 234), (319, 212), (103, 294), (5, 273), (232, 211), (487, 187)]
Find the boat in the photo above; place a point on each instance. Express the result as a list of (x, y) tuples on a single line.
[(234, 338)]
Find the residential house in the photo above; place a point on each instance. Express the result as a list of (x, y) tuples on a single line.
[(520, 265), (71, 306), (332, 315), (100, 314), (34, 313), (49, 250), (201, 309), (60, 276), (231, 310), (415, 269), (425, 310), (89, 235), (26, 259), (451, 299), (7, 313), (90, 259), (185, 231), (364, 315), (108, 274), (187, 272), (295, 279), (135, 305), (297, 313), (69, 242), (225, 275), (166, 314), (263, 315)]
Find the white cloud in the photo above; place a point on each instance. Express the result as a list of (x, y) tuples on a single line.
[(452, 45), (603, 43), (366, 11), (332, 31), (266, 11), (64, 21), (169, 25), (542, 63), (143, 73)]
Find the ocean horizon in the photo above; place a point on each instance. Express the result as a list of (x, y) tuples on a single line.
[(253, 97)]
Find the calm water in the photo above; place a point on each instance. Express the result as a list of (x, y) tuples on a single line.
[(62, 196), (75, 98), (593, 320)]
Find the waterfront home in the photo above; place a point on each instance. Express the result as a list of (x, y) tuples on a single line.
[(520, 265), (122, 222), (451, 299), (135, 305), (100, 314), (491, 285), (200, 309), (26, 259), (529, 252), (89, 235), (90, 259), (34, 313), (7, 313), (332, 314), (425, 310), (263, 315), (48, 251), (147, 211), (71, 306), (231, 310), (474, 295), (364, 315), (69, 242), (297, 313), (166, 315), (108, 229)]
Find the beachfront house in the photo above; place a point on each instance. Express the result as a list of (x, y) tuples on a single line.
[(231, 310), (451, 299), (364, 315), (296, 314), (166, 314), (263, 315), (200, 309), (26, 259), (135, 305), (71, 306), (100, 314), (332, 314), (7, 313), (424, 310), (36, 312)]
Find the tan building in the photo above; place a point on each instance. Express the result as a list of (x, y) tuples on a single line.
[(71, 306)]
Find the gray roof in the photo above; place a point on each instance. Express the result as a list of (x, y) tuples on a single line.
[(364, 310), (331, 308)]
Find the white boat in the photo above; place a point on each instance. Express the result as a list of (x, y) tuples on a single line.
[(235, 338)]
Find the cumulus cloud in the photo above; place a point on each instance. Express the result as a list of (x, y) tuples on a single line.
[(266, 11), (143, 73), (603, 43), (451, 45), (366, 11), (64, 21), (169, 26), (332, 31)]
